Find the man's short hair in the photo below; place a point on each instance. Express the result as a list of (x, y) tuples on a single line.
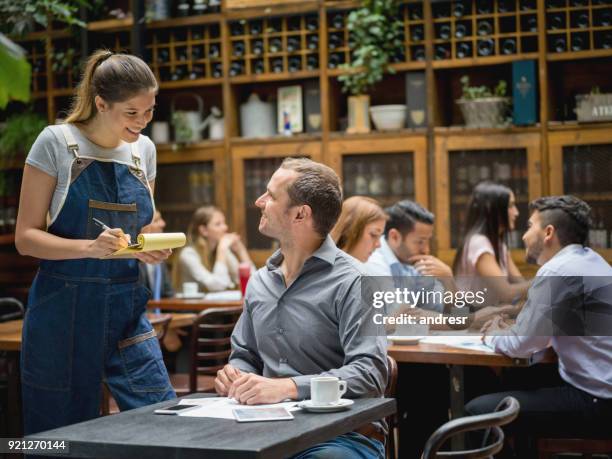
[(404, 214), (570, 216), (318, 186)]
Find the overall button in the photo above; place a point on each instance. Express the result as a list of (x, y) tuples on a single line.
[(281, 330), (283, 361)]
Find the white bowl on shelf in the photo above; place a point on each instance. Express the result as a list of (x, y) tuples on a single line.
[(388, 117)]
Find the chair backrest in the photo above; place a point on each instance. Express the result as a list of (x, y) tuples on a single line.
[(10, 309), (161, 322), (211, 341), (504, 413), (391, 392)]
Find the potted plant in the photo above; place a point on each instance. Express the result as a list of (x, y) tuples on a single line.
[(481, 107), (375, 31)]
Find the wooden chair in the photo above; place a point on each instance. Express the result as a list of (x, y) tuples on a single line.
[(160, 323), (548, 447), (505, 412), (10, 309), (210, 350), (391, 392)]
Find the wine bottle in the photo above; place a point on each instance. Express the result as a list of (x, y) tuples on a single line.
[(200, 7), (459, 9), (334, 41), (213, 51), (578, 43), (337, 21), (238, 48), (461, 30), (277, 65), (312, 62), (508, 46), (293, 23), (441, 52), (293, 44), (197, 52), (529, 23), (182, 9), (255, 27), (217, 70), (214, 6), (582, 20), (258, 66), (464, 49), (196, 72), (418, 53), (606, 42), (335, 60), (485, 27), (237, 28), (505, 6), (295, 64), (312, 23), (163, 55), (415, 12), (444, 31), (312, 42), (604, 18), (528, 5), (275, 45), (556, 21), (179, 73), (236, 68), (559, 44), (486, 47), (484, 6)]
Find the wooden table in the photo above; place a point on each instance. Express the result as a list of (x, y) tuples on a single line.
[(177, 304), (456, 358), (140, 433)]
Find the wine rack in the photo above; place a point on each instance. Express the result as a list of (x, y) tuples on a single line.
[(274, 45), (575, 26), (186, 54), (38, 60)]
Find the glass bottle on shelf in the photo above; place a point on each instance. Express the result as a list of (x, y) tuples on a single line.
[(196, 72), (473, 175), (335, 60), (378, 184), (486, 47), (293, 44), (179, 73), (484, 6), (194, 186), (312, 23), (464, 49), (528, 5), (337, 21), (396, 186), (213, 51), (418, 53), (582, 20), (417, 33), (508, 46), (258, 66), (236, 68), (255, 27), (200, 7), (277, 65), (461, 30), (415, 11), (312, 62), (197, 52), (361, 179), (461, 179), (578, 43), (237, 28), (459, 9), (334, 41), (312, 42), (275, 45), (441, 52), (295, 64), (348, 176), (484, 27), (443, 31), (556, 21), (181, 53), (182, 9), (505, 6), (257, 47), (238, 48), (559, 44), (163, 55)]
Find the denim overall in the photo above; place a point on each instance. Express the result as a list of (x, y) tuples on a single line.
[(85, 322)]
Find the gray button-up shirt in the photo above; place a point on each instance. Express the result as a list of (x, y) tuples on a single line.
[(319, 325)]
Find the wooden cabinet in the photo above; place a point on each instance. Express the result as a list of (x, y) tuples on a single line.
[(581, 161)]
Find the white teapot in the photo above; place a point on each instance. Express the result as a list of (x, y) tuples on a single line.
[(188, 124)]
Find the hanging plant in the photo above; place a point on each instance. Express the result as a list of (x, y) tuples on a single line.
[(375, 37)]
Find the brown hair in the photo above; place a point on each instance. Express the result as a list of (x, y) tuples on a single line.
[(202, 216), (357, 213), (317, 186), (113, 77)]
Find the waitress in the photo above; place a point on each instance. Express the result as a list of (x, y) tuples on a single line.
[(85, 321)]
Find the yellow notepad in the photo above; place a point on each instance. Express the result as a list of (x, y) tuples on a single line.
[(151, 241)]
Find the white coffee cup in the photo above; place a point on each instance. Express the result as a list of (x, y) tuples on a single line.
[(326, 390), (190, 288)]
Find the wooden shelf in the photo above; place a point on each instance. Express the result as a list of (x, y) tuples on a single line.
[(374, 134), (590, 54), (464, 130), (265, 77), (603, 196), (480, 61), (191, 83), (575, 125), (296, 138), (111, 25), (187, 21)]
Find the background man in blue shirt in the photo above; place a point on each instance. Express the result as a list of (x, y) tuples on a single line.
[(573, 282)]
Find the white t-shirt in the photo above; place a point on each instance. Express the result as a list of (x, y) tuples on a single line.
[(50, 154)]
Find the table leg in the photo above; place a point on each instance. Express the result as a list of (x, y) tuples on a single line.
[(457, 400)]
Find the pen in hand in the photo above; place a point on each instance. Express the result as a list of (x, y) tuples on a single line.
[(105, 227)]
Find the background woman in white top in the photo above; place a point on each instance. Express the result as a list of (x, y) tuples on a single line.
[(483, 259), (212, 255)]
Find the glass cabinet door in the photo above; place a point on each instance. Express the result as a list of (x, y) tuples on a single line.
[(587, 173), (386, 177), (257, 173), (181, 188), (467, 168)]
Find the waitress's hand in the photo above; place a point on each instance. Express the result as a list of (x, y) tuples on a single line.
[(153, 257), (107, 242)]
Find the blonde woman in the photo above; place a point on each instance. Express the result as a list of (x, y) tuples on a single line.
[(359, 227), (212, 255)]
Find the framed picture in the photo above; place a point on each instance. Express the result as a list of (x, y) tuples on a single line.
[(289, 114)]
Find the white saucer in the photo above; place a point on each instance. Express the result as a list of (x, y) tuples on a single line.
[(405, 339), (342, 404), (193, 296)]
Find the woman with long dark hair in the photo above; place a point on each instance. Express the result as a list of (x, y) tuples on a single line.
[(483, 259)]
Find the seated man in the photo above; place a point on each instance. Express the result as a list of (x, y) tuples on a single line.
[(303, 313), (571, 295), (404, 251)]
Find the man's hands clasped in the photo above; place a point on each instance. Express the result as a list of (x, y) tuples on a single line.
[(252, 389)]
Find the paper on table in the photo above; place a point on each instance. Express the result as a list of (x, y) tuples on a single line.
[(473, 342), (221, 407), (152, 241)]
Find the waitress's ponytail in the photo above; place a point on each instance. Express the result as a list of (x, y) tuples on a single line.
[(113, 77)]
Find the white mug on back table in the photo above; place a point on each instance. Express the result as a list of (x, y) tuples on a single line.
[(326, 390)]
